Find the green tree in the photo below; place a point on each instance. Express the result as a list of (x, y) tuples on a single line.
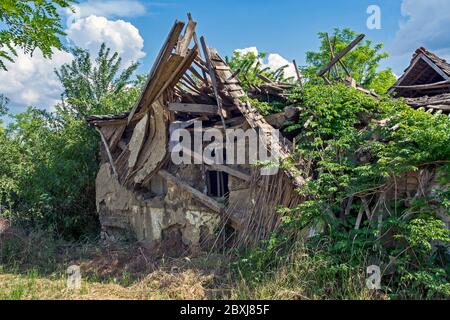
[(30, 24), (362, 62), (382, 81), (91, 85), (3, 105), (49, 161)]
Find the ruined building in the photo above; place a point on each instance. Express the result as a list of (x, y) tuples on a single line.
[(142, 192)]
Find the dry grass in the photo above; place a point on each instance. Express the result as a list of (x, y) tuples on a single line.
[(34, 267), (157, 285)]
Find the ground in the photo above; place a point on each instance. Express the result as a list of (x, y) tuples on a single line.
[(122, 271)]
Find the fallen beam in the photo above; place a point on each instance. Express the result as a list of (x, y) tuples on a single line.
[(203, 198), (218, 167), (194, 108)]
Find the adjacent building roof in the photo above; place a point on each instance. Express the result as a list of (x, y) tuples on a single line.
[(427, 75)]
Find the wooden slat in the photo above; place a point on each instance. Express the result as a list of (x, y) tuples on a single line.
[(232, 172), (194, 108), (297, 72)]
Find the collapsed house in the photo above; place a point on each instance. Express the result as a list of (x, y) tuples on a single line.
[(140, 190), (425, 83)]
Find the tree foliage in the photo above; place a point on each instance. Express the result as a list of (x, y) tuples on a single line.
[(354, 147), (28, 25), (89, 84), (48, 161)]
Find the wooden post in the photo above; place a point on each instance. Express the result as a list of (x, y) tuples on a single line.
[(340, 55)]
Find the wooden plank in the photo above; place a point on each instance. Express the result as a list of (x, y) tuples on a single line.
[(178, 73), (264, 78), (220, 68), (117, 136), (183, 44), (203, 198), (194, 108), (163, 55), (340, 55)]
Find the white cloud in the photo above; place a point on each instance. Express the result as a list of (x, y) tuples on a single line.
[(106, 8), (32, 81), (121, 36), (274, 61), (426, 24)]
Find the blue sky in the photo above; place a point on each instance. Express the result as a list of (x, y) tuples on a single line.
[(284, 28)]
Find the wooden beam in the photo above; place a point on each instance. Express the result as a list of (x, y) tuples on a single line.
[(435, 85), (444, 108), (213, 79), (194, 108), (203, 198), (184, 42), (264, 78), (232, 172), (340, 55), (108, 152)]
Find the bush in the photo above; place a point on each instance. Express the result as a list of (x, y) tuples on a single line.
[(353, 148)]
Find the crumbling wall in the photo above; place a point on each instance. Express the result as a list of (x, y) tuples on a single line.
[(163, 214)]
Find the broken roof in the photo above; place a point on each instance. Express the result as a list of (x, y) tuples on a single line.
[(427, 74), (183, 83)]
